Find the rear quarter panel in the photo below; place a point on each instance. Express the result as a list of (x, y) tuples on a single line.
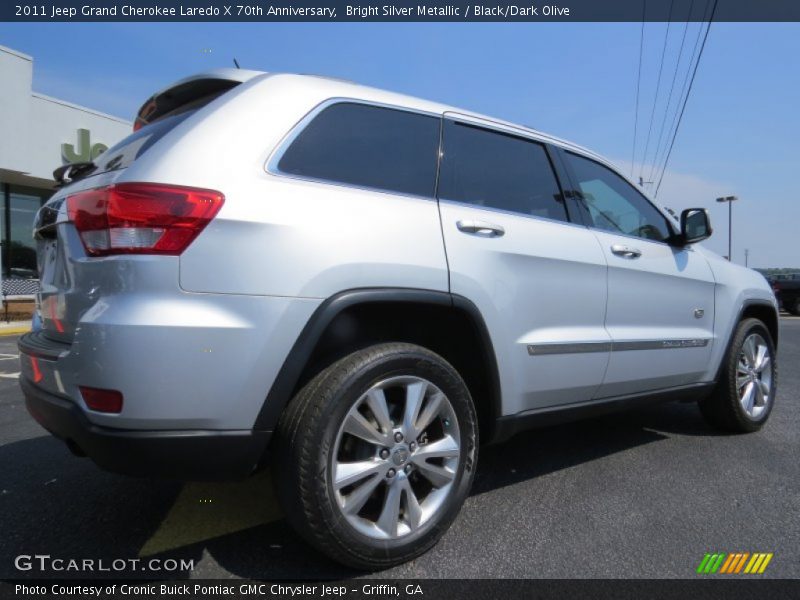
[(279, 236)]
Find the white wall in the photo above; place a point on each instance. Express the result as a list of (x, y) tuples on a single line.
[(33, 126), (16, 74)]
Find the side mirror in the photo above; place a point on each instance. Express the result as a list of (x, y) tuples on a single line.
[(695, 226)]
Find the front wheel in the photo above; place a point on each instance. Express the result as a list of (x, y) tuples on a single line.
[(376, 454), (745, 393)]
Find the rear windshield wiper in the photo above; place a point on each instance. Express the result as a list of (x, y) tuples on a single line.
[(73, 171)]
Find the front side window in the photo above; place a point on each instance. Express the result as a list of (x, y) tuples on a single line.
[(496, 170), (614, 204), (367, 146)]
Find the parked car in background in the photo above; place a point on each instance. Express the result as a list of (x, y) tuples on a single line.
[(787, 291), (358, 288)]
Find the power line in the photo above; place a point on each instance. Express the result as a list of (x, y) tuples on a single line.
[(685, 83), (671, 91), (638, 83), (686, 99), (658, 87)]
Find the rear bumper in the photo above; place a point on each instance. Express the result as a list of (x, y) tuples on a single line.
[(198, 454)]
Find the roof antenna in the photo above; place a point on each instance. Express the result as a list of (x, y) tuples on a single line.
[(236, 62)]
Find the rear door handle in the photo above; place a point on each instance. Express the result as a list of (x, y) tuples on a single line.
[(481, 228), (626, 251)]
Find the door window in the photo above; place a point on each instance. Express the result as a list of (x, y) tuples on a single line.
[(613, 204), (496, 170)]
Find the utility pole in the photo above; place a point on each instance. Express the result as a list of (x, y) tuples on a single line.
[(730, 200), (746, 256)]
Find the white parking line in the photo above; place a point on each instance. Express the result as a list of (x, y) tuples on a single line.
[(8, 356), (9, 375)]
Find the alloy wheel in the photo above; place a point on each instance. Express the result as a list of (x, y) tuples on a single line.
[(396, 457), (754, 375)]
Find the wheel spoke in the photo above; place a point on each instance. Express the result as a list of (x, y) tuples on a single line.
[(761, 354), (763, 392), (355, 424), (749, 397), (415, 393), (413, 511), (749, 348), (758, 395), (356, 499), (446, 447), (390, 513), (376, 400), (348, 473), (428, 413), (741, 382), (437, 475), (764, 360), (741, 368)]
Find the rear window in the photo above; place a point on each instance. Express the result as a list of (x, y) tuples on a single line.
[(367, 146), (160, 115), (124, 153)]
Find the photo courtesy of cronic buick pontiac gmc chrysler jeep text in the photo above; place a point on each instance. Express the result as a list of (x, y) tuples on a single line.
[(357, 287)]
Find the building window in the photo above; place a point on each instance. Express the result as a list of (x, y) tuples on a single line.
[(18, 211)]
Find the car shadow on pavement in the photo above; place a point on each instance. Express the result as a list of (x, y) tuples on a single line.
[(53, 503), (539, 452)]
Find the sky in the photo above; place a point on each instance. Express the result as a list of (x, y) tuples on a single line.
[(739, 134)]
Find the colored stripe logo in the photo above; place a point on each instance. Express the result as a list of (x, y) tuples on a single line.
[(735, 563)]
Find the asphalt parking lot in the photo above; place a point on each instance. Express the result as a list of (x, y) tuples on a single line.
[(639, 494)]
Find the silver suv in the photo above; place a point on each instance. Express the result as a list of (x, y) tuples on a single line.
[(352, 286)]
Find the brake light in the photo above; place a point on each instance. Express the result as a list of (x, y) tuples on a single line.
[(107, 401), (141, 218)]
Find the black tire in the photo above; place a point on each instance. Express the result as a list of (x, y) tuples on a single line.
[(723, 409), (306, 436)]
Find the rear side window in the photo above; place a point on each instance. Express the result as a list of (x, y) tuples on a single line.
[(368, 146), (496, 170)]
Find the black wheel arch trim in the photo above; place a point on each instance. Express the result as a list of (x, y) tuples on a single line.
[(289, 375), (732, 332)]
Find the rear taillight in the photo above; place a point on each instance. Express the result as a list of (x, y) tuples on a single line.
[(107, 401), (141, 218)]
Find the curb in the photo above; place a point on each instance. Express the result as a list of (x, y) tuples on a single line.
[(14, 331)]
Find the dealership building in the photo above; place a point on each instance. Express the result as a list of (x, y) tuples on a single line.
[(37, 134)]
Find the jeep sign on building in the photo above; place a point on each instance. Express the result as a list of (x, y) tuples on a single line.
[(39, 133)]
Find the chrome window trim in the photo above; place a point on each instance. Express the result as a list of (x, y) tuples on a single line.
[(274, 159), (501, 127), (271, 165)]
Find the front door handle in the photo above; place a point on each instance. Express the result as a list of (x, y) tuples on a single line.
[(626, 251), (481, 228)]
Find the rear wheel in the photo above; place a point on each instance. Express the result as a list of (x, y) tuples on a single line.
[(745, 393), (375, 456)]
